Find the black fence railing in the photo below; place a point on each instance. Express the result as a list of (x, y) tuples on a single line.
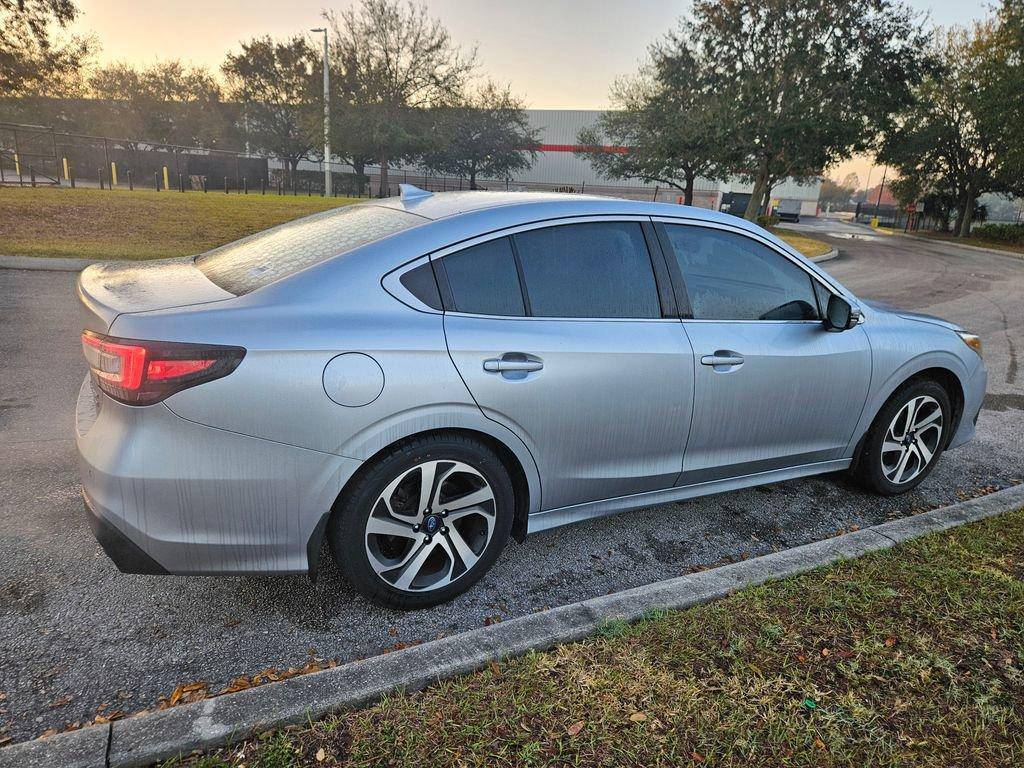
[(32, 155)]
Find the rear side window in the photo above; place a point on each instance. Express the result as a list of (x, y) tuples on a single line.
[(265, 257), (484, 280), (599, 269), (420, 282), (732, 277)]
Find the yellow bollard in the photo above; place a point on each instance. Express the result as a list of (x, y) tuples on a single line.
[(17, 165), (874, 222), (167, 183), (113, 174), (67, 171)]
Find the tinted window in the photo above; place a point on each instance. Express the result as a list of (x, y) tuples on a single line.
[(420, 283), (267, 256), (732, 277), (588, 270), (484, 280)]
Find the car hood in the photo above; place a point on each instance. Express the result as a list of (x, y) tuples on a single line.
[(879, 306)]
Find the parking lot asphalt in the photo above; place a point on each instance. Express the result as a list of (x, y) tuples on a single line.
[(78, 638)]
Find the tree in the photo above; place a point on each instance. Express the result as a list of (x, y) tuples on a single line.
[(664, 126), (1003, 71), (850, 181), (279, 87), (835, 194), (394, 60), (168, 102), (486, 135), (806, 83), (952, 141), (35, 52)]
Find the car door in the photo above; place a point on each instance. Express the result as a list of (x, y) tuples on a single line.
[(773, 387), (564, 334)]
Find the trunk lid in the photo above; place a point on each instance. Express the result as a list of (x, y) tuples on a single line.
[(110, 289)]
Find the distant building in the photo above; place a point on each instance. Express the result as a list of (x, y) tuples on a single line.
[(558, 168), (558, 165)]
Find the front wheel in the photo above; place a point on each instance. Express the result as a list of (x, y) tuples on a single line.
[(906, 439), (425, 522)]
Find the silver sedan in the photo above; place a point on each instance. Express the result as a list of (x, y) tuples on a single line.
[(421, 378)]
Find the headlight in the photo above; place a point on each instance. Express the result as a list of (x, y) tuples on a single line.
[(971, 340)]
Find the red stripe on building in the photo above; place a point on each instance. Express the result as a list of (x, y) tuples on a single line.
[(580, 148)]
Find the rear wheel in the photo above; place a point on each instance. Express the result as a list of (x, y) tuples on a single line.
[(906, 439), (425, 522)]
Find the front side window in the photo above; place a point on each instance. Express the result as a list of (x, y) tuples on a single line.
[(729, 276), (596, 269)]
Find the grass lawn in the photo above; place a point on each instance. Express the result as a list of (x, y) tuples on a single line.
[(144, 224), (913, 656), (981, 242), (808, 246)]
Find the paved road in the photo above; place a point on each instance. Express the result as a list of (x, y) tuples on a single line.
[(75, 634)]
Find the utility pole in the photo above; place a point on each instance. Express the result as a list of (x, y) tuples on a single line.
[(327, 114), (881, 188)]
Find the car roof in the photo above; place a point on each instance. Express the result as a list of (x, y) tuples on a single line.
[(445, 205)]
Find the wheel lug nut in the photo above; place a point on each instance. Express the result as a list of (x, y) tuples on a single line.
[(427, 538), (444, 513), (444, 531), (416, 528)]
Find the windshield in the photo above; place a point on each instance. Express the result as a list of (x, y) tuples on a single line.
[(265, 257)]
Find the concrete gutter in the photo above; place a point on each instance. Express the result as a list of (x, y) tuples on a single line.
[(162, 735), (44, 263), (833, 254)]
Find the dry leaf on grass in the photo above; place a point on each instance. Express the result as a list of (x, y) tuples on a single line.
[(575, 728), (638, 717)]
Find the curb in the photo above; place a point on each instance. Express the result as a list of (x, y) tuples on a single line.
[(45, 263), (833, 254), (954, 244), (950, 243), (165, 734)]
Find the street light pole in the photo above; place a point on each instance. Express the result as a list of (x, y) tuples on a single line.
[(327, 115)]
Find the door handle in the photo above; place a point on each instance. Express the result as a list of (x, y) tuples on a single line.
[(722, 359), (499, 365)]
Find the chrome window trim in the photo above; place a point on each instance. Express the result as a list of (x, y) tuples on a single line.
[(544, 224)]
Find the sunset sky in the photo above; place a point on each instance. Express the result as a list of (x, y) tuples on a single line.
[(554, 53)]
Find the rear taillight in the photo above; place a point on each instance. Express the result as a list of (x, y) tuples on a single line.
[(145, 372)]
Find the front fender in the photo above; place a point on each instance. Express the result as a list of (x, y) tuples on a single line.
[(896, 358)]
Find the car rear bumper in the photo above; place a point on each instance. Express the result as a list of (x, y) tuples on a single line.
[(167, 495)]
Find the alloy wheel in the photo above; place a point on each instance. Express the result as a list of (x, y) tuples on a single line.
[(430, 525), (913, 438)]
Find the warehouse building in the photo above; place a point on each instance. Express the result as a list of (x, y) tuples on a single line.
[(557, 165), (558, 168)]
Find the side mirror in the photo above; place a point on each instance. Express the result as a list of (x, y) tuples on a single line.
[(840, 315)]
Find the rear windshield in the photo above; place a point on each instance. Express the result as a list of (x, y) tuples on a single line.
[(266, 257)]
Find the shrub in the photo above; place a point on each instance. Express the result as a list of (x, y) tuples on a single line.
[(1005, 233), (767, 221)]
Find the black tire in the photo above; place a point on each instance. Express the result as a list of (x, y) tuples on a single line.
[(350, 541), (870, 471)]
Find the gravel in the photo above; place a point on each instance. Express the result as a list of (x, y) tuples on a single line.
[(77, 635)]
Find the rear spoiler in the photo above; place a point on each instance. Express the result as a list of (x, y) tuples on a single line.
[(109, 289)]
